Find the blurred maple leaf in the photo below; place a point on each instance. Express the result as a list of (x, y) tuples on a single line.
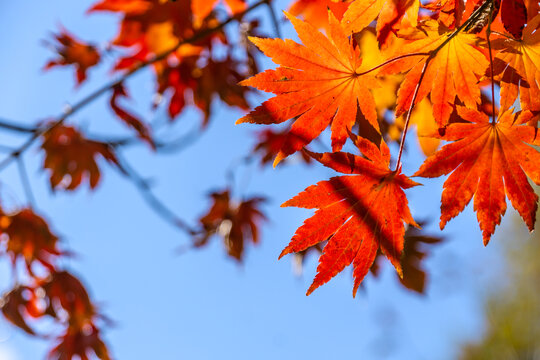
[(143, 131), (127, 6), (414, 251), (202, 8), (64, 291), (219, 78), (82, 337), (27, 236), (80, 343), (71, 158), (150, 28), (236, 223), (18, 304), (270, 143), (74, 52)]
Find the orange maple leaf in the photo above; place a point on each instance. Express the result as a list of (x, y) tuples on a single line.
[(202, 8), (316, 11), (357, 214), (414, 252), (126, 6), (319, 82), (488, 161), (517, 66), (448, 73)]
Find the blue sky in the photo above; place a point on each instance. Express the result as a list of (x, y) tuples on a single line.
[(202, 305)]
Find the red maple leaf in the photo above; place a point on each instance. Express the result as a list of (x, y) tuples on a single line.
[(74, 52), (357, 214), (28, 237), (237, 223), (67, 152), (143, 131)]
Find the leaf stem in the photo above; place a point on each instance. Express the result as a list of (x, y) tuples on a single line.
[(491, 67), (392, 60), (432, 55)]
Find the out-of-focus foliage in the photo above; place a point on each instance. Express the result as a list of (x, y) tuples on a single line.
[(513, 311)]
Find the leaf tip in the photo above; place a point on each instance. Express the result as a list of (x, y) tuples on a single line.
[(284, 252), (280, 156)]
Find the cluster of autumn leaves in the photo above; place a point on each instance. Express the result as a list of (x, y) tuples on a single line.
[(366, 69)]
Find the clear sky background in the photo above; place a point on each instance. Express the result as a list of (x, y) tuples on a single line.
[(203, 305)]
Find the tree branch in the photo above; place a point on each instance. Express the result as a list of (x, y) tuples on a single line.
[(156, 204)]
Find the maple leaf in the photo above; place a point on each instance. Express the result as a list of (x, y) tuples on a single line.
[(80, 343), (448, 12), (315, 12), (64, 291), (126, 6), (151, 29), (236, 223), (202, 8), (489, 161), (17, 304), (357, 214), (514, 16), (269, 144), (28, 237), (74, 52), (447, 75), (319, 82), (130, 120), (516, 66), (71, 158), (392, 14), (203, 84)]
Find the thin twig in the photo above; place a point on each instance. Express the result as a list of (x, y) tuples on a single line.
[(25, 181), (389, 61), (12, 126), (233, 167), (409, 112), (152, 200), (70, 110), (273, 16), (162, 147)]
